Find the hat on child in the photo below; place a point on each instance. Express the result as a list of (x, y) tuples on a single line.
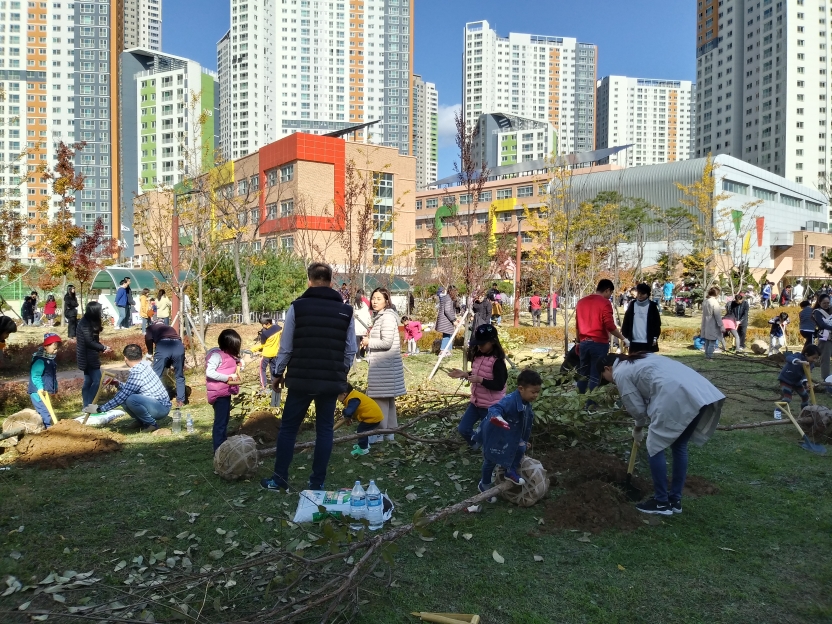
[(485, 333), (49, 339)]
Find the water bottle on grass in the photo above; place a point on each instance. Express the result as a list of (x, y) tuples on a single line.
[(189, 423), (176, 427), (358, 506), (375, 508)]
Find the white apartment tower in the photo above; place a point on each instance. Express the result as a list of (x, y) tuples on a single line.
[(58, 67), (425, 131), (763, 84), (535, 77), (143, 24), (654, 116), (316, 66)]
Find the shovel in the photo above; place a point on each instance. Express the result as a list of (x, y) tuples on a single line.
[(630, 491), (807, 443)]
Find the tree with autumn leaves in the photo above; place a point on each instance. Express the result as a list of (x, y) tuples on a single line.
[(66, 247)]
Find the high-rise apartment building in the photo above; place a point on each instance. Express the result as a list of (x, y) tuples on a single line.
[(425, 131), (143, 24), (763, 84), (169, 123), (58, 69), (316, 66), (500, 140), (656, 117), (536, 77)]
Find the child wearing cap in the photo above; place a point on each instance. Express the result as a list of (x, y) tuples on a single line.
[(488, 376), (43, 375), (366, 411)]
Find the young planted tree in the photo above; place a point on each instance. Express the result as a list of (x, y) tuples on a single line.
[(56, 237), (674, 221), (702, 200), (734, 258)]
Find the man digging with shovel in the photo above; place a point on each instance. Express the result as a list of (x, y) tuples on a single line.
[(677, 403)]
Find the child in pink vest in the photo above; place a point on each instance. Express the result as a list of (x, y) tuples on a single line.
[(488, 378), (222, 379), (412, 333)]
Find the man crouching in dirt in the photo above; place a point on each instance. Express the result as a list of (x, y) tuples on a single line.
[(142, 396)]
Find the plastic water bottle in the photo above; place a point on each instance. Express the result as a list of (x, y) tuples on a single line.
[(189, 423), (375, 509), (177, 421), (358, 506)]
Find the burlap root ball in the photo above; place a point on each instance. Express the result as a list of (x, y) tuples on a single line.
[(236, 458), (535, 488), (759, 347), (27, 419)]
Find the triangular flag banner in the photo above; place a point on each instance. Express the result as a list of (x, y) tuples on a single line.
[(761, 224), (746, 244), (736, 217)]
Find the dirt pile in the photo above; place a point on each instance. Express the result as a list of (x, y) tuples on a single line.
[(263, 426), (66, 442), (592, 506), (592, 502)]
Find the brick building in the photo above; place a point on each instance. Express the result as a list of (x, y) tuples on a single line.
[(798, 254)]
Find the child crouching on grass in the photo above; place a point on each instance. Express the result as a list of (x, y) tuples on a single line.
[(366, 411), (43, 376), (777, 333), (222, 379), (793, 378), (488, 378), (505, 433)]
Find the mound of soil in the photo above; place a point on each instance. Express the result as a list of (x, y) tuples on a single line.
[(572, 468), (593, 506), (263, 426), (164, 431), (66, 442)]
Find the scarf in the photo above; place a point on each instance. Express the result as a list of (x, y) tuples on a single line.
[(41, 352), (643, 304)]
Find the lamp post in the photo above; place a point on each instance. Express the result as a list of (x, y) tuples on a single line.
[(174, 255), (517, 276)]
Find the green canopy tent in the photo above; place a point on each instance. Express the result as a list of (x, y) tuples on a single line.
[(139, 278), (396, 285)]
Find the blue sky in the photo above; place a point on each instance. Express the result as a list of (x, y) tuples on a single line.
[(643, 38)]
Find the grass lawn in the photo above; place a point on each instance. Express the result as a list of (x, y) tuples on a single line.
[(756, 552)]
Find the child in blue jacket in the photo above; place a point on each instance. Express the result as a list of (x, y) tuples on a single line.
[(505, 432), (43, 375), (793, 378)]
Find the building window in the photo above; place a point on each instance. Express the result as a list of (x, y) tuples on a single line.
[(485, 196), (791, 201), (287, 243), (764, 194), (734, 187), (811, 252), (287, 173), (287, 208), (433, 202), (271, 211), (525, 191), (504, 193)]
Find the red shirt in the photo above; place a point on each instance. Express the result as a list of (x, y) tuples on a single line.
[(594, 317), (535, 303)]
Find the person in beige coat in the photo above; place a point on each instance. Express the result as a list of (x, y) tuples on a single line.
[(385, 378), (712, 328)]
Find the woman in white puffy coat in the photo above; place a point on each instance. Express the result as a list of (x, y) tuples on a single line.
[(385, 379)]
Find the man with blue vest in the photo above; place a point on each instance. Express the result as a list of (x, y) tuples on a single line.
[(43, 376), (317, 348)]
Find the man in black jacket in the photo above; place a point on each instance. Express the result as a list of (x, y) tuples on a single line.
[(642, 324), (738, 308), (71, 310), (317, 348)]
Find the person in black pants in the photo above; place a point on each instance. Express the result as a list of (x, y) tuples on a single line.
[(71, 310), (738, 308), (127, 321), (642, 324), (166, 347)]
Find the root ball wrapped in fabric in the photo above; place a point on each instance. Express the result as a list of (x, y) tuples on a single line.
[(27, 419), (535, 488), (236, 458), (759, 346)]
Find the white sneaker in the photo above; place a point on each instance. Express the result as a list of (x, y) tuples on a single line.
[(778, 415)]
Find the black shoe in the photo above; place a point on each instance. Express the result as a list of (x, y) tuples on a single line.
[(676, 506), (314, 486), (654, 507), (149, 429)]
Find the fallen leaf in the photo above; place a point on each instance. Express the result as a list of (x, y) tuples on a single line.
[(409, 487), (192, 517), (168, 518), (621, 567), (538, 558), (15, 555), (221, 531), (458, 487), (182, 535), (497, 557), (24, 606), (411, 497), (58, 598), (426, 538), (584, 538), (467, 536), (120, 565), (727, 549), (184, 493), (456, 534), (420, 552), (140, 533), (216, 554), (230, 583)]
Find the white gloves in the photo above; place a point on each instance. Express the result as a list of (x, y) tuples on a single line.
[(626, 343), (92, 408), (638, 434)]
